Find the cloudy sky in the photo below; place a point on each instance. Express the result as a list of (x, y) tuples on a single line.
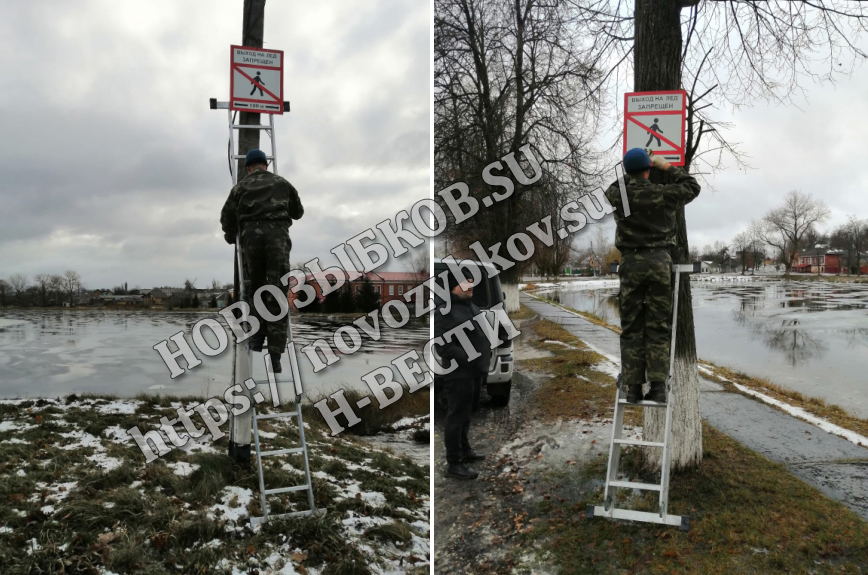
[(113, 165)]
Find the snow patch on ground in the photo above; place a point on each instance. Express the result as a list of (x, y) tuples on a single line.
[(182, 468), (85, 440), (14, 426), (233, 506), (120, 407), (15, 440)]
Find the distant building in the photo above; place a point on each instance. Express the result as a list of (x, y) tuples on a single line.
[(820, 260), (387, 285)]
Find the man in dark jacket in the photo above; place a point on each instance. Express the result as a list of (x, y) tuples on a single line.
[(645, 238), (458, 385), (262, 206)]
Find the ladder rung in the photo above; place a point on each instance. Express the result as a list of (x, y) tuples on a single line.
[(266, 382), (251, 127), (638, 442), (237, 157), (281, 451), (281, 414), (285, 489), (642, 403), (634, 485), (314, 512)]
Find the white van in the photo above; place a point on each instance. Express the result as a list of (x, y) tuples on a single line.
[(488, 294)]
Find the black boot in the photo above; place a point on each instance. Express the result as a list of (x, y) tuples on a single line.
[(634, 393), (275, 363), (470, 456), (657, 393), (461, 471)]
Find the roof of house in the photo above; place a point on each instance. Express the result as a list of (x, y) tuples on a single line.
[(820, 252), (409, 277)]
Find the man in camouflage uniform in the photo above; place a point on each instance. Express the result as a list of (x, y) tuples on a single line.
[(645, 239), (263, 206)]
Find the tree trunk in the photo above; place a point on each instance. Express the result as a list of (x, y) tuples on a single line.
[(657, 62), (253, 25)]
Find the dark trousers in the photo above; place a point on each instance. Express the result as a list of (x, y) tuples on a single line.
[(459, 401), (645, 302), (265, 249)]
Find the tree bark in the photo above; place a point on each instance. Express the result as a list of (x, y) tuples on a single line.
[(252, 29), (657, 65)]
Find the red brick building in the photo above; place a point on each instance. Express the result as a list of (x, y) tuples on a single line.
[(820, 260), (388, 285)]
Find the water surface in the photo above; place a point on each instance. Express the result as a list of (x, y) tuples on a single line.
[(52, 353), (810, 337)]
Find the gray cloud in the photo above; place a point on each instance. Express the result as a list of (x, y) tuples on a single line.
[(113, 164)]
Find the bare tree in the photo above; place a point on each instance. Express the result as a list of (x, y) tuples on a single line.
[(43, 281), (18, 283), (508, 74), (55, 287), (4, 289), (857, 234), (71, 282), (741, 243), (785, 228), (418, 261)]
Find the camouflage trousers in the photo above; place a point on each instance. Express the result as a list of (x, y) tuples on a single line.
[(265, 251), (645, 304)]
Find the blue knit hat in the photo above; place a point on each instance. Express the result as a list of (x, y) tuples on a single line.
[(636, 160), (254, 157)]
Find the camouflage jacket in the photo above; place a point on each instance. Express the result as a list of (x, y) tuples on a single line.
[(261, 196), (651, 223)]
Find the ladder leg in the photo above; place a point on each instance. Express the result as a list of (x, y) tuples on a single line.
[(304, 454), (259, 464), (670, 395), (614, 450)]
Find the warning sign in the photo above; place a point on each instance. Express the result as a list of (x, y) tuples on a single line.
[(256, 83), (655, 120)]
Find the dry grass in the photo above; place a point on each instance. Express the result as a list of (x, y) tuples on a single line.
[(748, 515), (523, 312), (576, 390), (374, 419), (145, 518)]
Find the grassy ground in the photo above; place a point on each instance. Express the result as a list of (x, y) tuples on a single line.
[(726, 376), (748, 514), (76, 496)]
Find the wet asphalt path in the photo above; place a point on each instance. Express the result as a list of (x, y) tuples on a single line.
[(830, 463)]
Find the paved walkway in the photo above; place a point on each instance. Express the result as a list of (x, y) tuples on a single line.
[(830, 463)]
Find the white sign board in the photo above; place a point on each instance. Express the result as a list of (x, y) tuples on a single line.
[(256, 83), (655, 120)]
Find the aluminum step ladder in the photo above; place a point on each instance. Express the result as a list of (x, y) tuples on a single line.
[(608, 508), (271, 381)]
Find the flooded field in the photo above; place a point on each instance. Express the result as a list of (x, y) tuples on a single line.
[(51, 353), (810, 337)]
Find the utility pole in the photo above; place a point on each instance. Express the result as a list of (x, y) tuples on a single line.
[(657, 56), (252, 29)]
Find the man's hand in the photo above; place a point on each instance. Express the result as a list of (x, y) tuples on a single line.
[(659, 163)]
